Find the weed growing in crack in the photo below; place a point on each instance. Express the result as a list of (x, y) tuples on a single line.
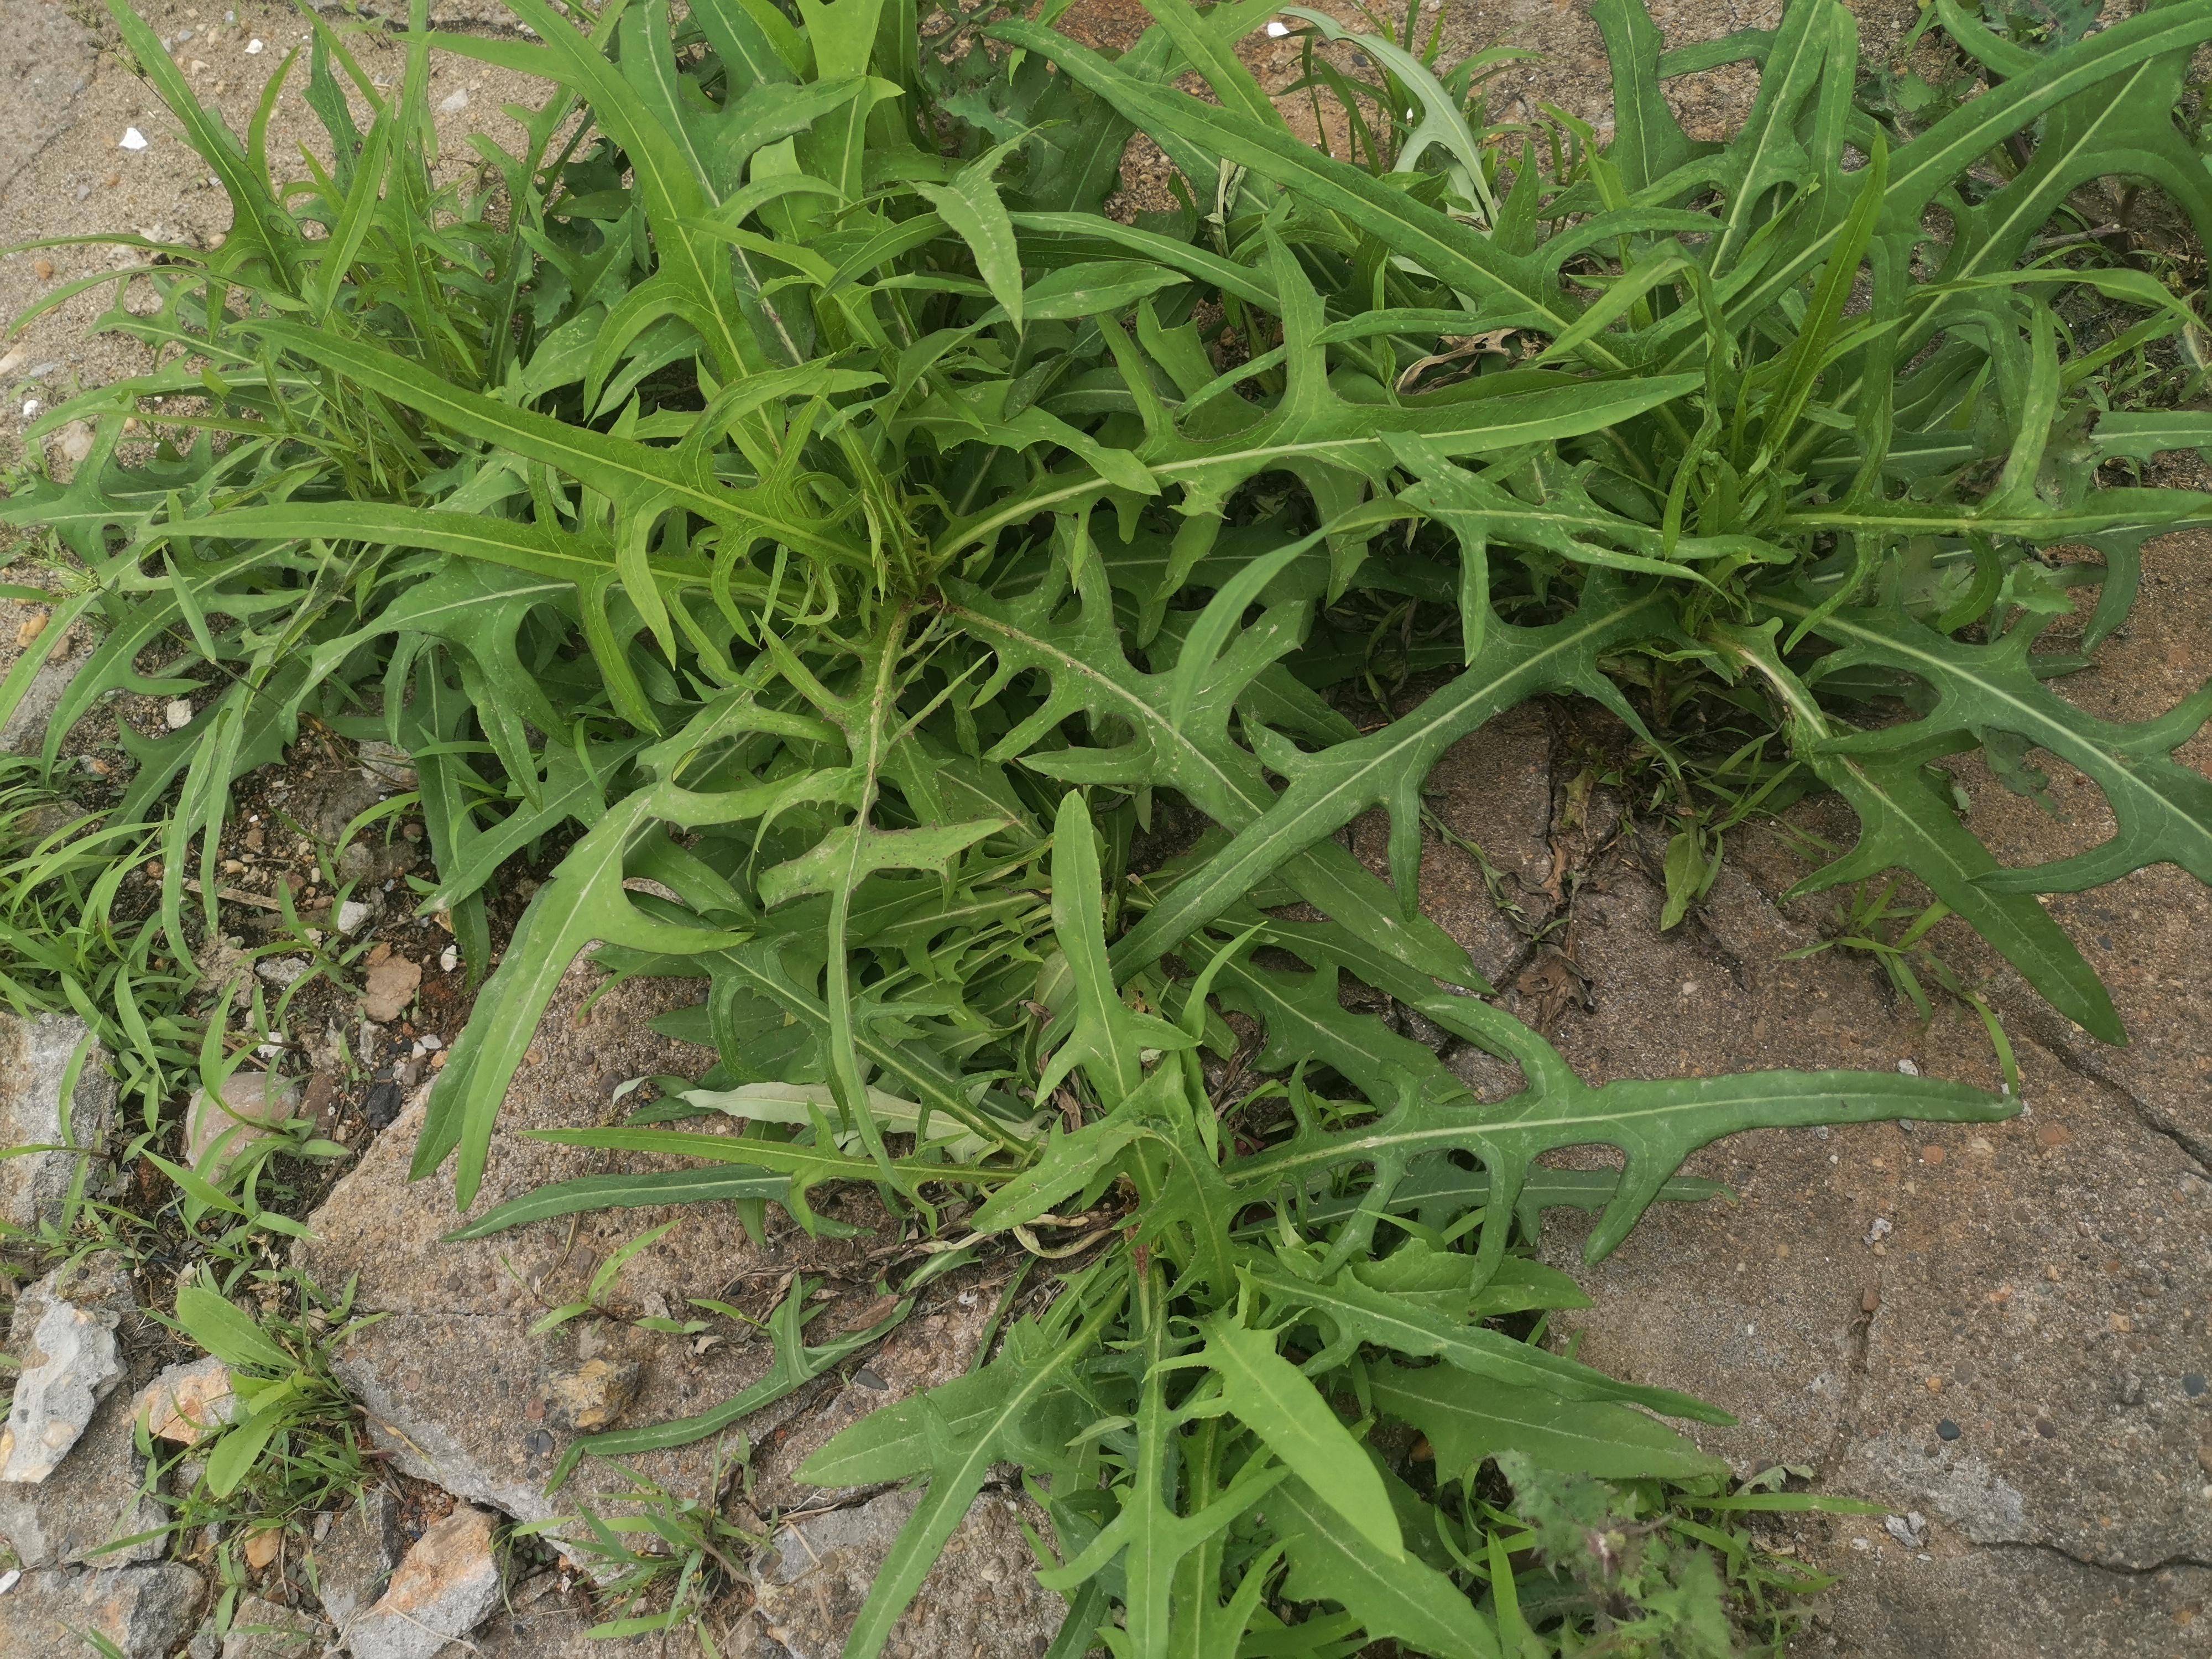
[(790, 484)]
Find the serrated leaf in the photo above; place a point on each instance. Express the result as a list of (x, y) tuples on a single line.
[(1657, 1124), (2162, 807), (1091, 671), (1388, 768), (1906, 821), (1106, 1038), (1360, 1313)]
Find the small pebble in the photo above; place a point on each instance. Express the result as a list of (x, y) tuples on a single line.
[(381, 1105), (1882, 1229), (353, 916), (178, 715), (255, 48), (131, 139), (454, 102), (2192, 1384), (1908, 1068), (431, 1040), (1946, 1430)]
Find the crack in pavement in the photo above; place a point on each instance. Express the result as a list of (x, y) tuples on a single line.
[(1857, 1371), (72, 113), (2116, 1569), (2043, 1025)]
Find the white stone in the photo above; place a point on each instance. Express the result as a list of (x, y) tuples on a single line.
[(353, 916), (77, 1363), (35, 1057), (131, 139), (282, 971), (178, 715), (73, 442)]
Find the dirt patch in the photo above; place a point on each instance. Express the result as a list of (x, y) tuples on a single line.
[(67, 169)]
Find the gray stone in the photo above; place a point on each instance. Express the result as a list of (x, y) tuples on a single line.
[(2054, 1352), (2007, 1603), (70, 1363), (96, 1495), (45, 52), (981, 1599), (350, 1564), (95, 1498), (453, 1384), (263, 1630), (147, 1612), (24, 731), (443, 1587), (34, 1060)]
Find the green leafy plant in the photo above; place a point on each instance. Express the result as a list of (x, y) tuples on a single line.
[(286, 1446), (661, 1564), (279, 1373), (790, 498)]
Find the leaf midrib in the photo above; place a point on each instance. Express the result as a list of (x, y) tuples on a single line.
[(1589, 1126)]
